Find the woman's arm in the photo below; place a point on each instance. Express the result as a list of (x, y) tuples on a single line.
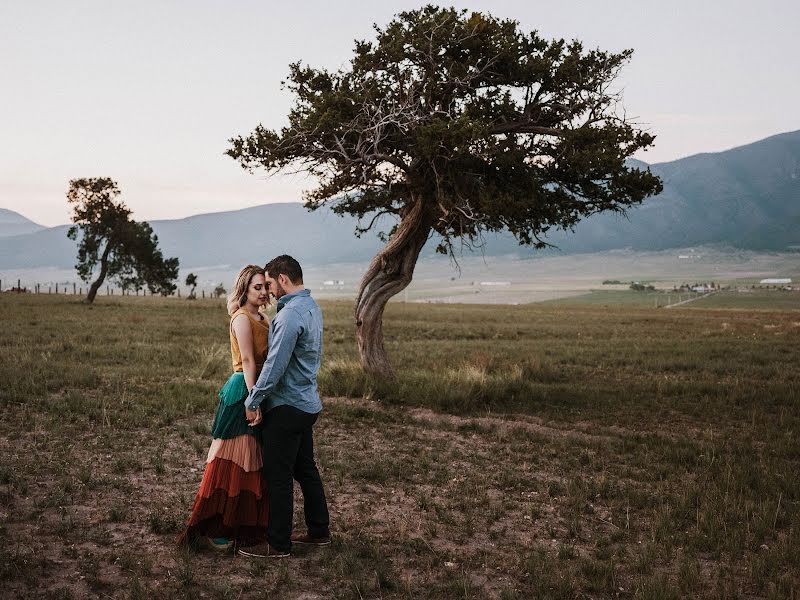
[(244, 336)]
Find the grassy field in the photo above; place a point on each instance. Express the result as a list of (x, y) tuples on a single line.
[(623, 298), (752, 299), (540, 451), (746, 299)]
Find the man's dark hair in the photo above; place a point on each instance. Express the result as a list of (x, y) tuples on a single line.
[(288, 266)]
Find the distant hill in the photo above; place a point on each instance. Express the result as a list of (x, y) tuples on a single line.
[(747, 197), (225, 238), (12, 223), (230, 238), (261, 232)]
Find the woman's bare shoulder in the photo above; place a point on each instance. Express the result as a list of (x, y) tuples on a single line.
[(238, 319)]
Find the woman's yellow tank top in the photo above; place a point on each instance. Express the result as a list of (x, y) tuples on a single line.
[(260, 331)]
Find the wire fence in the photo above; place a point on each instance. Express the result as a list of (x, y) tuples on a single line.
[(75, 289)]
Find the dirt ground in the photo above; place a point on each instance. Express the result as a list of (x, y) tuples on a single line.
[(422, 504)]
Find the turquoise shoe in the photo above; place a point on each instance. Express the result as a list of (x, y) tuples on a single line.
[(220, 544)]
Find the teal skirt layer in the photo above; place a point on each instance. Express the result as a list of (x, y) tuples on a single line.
[(230, 421)]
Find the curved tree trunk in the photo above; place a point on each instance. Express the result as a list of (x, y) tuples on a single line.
[(389, 272), (101, 277)]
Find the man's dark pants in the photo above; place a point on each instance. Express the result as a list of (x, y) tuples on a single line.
[(289, 454)]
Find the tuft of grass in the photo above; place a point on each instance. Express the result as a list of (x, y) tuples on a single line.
[(163, 522), (186, 570), (656, 587)]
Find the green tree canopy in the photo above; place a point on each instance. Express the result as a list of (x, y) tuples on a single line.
[(125, 250), (191, 281), (457, 124)]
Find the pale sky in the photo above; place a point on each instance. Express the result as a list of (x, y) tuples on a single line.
[(148, 92)]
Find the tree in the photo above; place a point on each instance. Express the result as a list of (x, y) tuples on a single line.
[(126, 250), (456, 124), (191, 280), (219, 291)]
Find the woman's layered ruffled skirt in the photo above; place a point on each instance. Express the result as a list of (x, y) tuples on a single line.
[(232, 500)]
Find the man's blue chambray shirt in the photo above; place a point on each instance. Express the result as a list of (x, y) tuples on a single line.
[(289, 375)]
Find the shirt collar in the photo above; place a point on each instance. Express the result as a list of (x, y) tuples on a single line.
[(283, 300)]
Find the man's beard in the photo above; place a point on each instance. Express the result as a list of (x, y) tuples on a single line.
[(279, 291)]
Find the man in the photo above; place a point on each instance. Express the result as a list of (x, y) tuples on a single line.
[(287, 386)]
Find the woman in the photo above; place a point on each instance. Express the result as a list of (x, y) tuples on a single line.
[(232, 502)]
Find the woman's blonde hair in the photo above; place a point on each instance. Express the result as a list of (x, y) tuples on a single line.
[(238, 295)]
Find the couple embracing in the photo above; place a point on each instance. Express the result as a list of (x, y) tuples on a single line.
[(263, 429)]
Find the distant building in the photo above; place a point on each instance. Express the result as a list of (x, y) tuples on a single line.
[(776, 281)]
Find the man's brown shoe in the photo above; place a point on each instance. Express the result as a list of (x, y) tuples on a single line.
[(304, 538), (263, 550)]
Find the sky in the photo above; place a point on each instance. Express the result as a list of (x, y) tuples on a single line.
[(149, 92)]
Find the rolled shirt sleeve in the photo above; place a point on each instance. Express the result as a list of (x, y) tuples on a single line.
[(286, 328)]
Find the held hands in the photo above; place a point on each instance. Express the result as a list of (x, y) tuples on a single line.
[(253, 416)]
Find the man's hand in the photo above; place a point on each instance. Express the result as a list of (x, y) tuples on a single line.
[(253, 416)]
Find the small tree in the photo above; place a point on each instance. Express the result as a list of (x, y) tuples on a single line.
[(191, 280), (125, 250), (220, 291), (456, 124)]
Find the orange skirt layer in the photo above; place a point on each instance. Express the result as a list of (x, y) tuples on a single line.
[(244, 450)]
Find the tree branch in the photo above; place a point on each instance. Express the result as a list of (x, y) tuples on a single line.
[(526, 127)]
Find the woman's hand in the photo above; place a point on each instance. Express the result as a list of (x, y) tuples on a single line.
[(253, 416)]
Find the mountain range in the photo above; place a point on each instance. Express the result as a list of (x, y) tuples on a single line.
[(12, 223), (747, 198)]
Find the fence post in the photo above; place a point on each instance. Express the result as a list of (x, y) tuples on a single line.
[(204, 293), (19, 289)]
